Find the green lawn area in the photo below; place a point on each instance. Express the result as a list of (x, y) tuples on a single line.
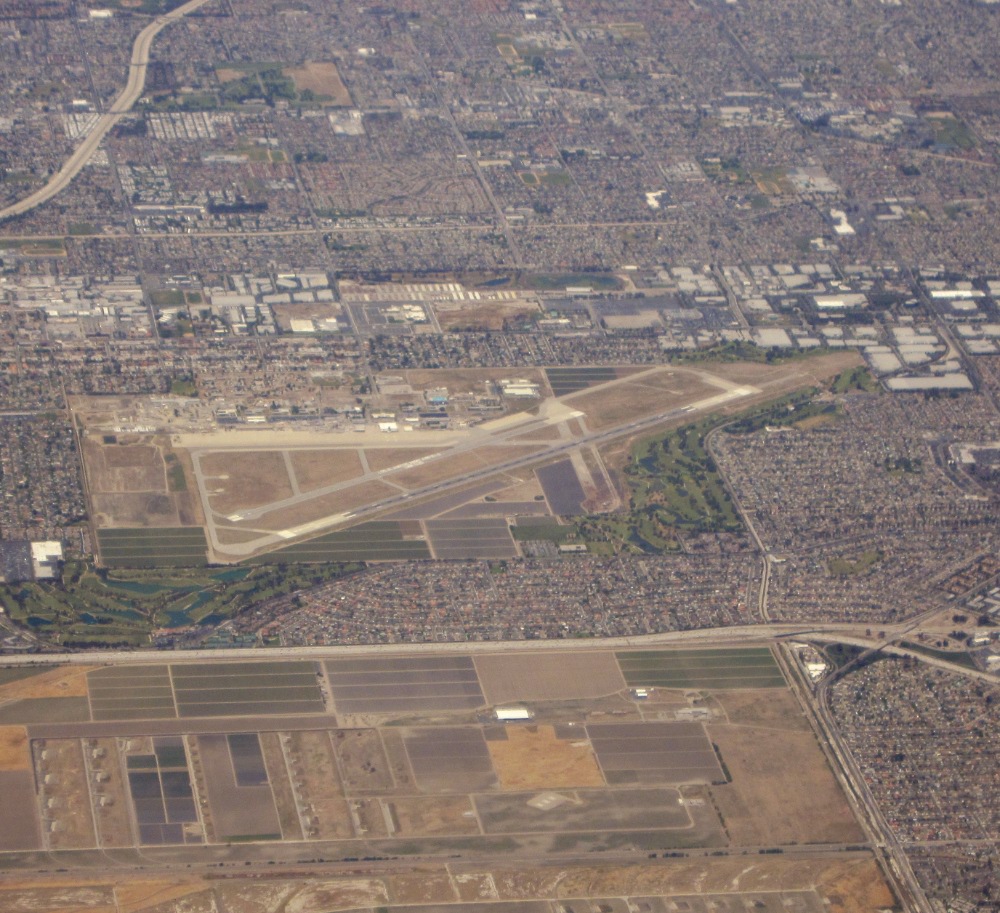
[(124, 606)]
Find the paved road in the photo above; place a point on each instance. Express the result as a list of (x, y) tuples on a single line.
[(122, 105)]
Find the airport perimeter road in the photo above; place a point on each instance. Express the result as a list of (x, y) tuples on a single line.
[(122, 105)]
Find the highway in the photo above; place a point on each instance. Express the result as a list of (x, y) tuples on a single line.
[(132, 92)]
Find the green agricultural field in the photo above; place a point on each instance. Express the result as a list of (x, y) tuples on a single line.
[(701, 669)]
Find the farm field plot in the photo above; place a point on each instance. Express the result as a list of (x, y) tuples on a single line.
[(586, 810), (21, 827), (654, 753), (162, 795), (562, 488), (571, 380), (563, 676), (381, 540), (131, 693), (250, 688), (238, 812), (473, 538), (701, 669), (164, 547), (450, 759), (404, 684)]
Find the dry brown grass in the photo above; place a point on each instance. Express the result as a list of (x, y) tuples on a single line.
[(561, 677), (422, 887), (833, 876), (322, 78), (783, 790), (67, 788), (449, 466), (324, 506), (490, 316), (134, 897), (608, 406), (771, 708), (63, 681), (118, 468), (238, 480), (434, 815), (15, 752), (533, 758), (319, 468)]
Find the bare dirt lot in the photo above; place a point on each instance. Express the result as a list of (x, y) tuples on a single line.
[(765, 804), (490, 316), (319, 468), (124, 467), (60, 770), (317, 784), (532, 757), (773, 709), (448, 466), (238, 480), (15, 754), (427, 816), (561, 677), (321, 78), (362, 760)]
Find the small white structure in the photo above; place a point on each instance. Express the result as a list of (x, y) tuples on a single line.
[(513, 714)]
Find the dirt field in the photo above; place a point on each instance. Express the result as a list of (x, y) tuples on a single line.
[(317, 784), (853, 885), (15, 753), (849, 885), (64, 794), (124, 467), (281, 787), (421, 816), (764, 805), (489, 316), (237, 480), (533, 758), (318, 468), (562, 677), (422, 887), (64, 681), (773, 709), (112, 815), (322, 78), (380, 458), (362, 760)]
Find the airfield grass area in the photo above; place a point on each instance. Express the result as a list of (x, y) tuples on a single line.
[(701, 669)]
